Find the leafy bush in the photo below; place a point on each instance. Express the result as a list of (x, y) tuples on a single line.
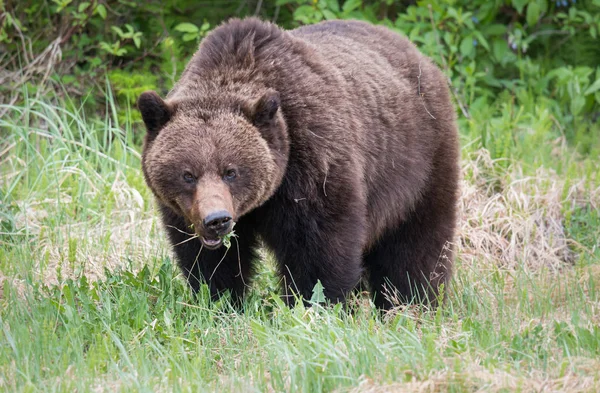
[(529, 48)]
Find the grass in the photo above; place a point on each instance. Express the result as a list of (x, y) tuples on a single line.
[(90, 299)]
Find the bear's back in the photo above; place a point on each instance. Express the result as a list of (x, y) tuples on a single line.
[(401, 106), (365, 44)]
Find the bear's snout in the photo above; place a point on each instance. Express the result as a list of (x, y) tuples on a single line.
[(218, 223), (212, 211), (214, 227)]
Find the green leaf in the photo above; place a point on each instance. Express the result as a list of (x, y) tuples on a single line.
[(519, 5), (83, 6), (333, 6), (61, 4), (101, 10), (351, 5), (318, 295), (593, 88), (533, 14), (186, 27), (306, 14), (491, 81), (466, 46), (500, 49), (577, 104), (227, 239), (105, 46), (329, 15), (189, 37), (452, 13), (495, 29), (137, 41), (117, 30), (482, 41)]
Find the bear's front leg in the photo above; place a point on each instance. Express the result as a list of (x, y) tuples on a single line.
[(222, 269), (318, 241)]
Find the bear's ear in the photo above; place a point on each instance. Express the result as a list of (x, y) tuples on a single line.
[(263, 111), (155, 112)]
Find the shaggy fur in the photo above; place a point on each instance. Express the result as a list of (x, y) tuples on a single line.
[(344, 145)]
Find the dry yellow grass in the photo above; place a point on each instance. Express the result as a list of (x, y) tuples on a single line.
[(510, 219), (132, 228), (479, 379)]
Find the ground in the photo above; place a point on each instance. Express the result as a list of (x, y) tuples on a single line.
[(91, 300)]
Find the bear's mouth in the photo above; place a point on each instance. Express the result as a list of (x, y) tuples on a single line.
[(211, 244)]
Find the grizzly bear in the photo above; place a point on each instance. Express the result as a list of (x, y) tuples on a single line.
[(333, 145)]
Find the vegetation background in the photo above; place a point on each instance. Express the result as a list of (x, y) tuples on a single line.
[(90, 299)]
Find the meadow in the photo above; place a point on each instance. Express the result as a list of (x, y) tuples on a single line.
[(91, 299)]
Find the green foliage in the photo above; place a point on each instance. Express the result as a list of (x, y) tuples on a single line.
[(530, 48), (116, 49), (309, 12), (191, 31), (490, 47)]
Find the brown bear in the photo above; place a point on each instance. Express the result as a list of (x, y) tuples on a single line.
[(334, 144)]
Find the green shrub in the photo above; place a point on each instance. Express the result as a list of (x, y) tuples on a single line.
[(543, 53)]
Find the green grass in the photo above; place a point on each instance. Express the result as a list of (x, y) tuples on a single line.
[(90, 299)]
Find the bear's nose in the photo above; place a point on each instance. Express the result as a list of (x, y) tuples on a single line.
[(218, 222)]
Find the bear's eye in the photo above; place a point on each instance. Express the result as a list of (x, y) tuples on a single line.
[(188, 177), (230, 174)]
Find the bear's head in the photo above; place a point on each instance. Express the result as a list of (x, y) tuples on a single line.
[(213, 159)]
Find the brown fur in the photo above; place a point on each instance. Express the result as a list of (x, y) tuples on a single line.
[(341, 164)]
